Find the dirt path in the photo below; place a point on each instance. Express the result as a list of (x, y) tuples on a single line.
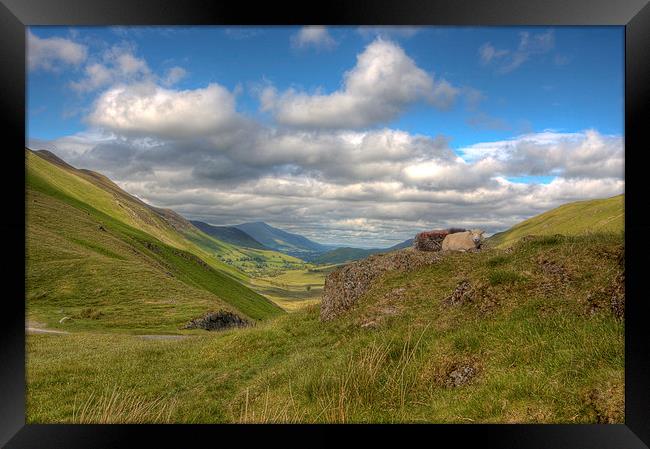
[(33, 327), (38, 330), (163, 337)]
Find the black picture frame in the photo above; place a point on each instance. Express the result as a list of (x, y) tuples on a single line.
[(634, 15)]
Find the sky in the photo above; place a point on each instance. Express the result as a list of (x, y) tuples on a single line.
[(357, 136)]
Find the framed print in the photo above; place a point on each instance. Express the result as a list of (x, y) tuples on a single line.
[(377, 218)]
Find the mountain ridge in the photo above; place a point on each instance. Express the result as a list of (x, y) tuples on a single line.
[(281, 240), (229, 234)]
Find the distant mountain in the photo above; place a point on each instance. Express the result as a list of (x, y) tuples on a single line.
[(345, 254), (405, 244), (229, 234), (341, 255), (283, 241)]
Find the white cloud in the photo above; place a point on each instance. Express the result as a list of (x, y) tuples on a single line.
[(368, 188), (487, 53), (313, 36), (192, 151), (53, 53), (97, 75), (507, 60), (587, 154), (117, 64), (174, 75), (383, 82), (149, 110), (127, 64)]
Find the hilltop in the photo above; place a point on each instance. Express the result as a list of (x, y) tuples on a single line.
[(592, 216)]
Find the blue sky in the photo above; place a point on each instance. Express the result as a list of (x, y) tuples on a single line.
[(576, 85), (509, 87)]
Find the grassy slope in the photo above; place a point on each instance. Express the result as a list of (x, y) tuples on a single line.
[(93, 251), (253, 262), (602, 215), (542, 351), (173, 229)]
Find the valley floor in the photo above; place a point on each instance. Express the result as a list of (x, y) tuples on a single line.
[(293, 289)]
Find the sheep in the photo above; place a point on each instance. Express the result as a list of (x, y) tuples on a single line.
[(432, 240), (463, 241)]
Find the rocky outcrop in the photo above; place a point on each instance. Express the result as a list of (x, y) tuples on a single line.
[(217, 321), (345, 286)]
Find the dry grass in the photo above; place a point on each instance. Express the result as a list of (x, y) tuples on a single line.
[(375, 376), (123, 407), (272, 411)]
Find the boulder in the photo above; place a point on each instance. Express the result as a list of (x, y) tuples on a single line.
[(217, 321)]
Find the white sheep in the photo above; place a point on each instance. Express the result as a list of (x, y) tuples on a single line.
[(463, 241)]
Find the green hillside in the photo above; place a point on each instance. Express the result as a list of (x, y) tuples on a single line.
[(253, 262), (106, 260), (582, 217), (535, 338)]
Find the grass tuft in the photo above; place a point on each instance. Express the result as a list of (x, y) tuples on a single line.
[(501, 277), (123, 407)]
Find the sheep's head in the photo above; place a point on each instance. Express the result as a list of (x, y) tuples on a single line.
[(477, 236)]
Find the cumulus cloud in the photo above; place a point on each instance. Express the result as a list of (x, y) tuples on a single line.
[(316, 36), (588, 154), (384, 81), (146, 109), (328, 175), (507, 60), (389, 183), (117, 64), (53, 53)]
